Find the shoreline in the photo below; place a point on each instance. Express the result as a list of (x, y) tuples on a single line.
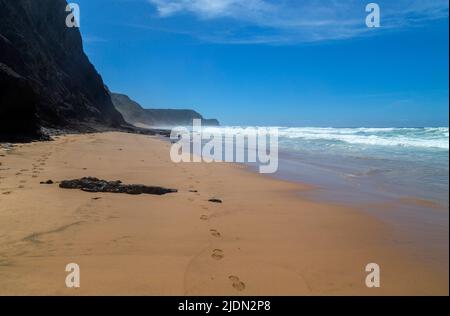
[(419, 224), (263, 235)]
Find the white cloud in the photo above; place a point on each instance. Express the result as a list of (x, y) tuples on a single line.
[(210, 8), (287, 21)]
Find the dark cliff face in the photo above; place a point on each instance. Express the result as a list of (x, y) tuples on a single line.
[(135, 114), (45, 77)]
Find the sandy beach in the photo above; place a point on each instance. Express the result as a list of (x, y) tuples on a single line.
[(264, 239)]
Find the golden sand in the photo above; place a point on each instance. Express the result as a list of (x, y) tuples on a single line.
[(264, 239)]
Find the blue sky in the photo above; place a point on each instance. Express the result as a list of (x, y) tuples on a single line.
[(284, 63)]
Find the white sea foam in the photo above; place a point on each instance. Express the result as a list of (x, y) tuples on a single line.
[(429, 137), (406, 137)]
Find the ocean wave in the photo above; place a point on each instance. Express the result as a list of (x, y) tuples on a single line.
[(427, 137), (430, 137)]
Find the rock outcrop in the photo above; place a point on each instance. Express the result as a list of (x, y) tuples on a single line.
[(135, 114), (46, 80)]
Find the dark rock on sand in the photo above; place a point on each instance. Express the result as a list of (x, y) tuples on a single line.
[(215, 201), (91, 184), (47, 182)]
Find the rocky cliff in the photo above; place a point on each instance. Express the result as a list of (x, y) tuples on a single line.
[(135, 114), (46, 80)]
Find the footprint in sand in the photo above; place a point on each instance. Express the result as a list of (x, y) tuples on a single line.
[(215, 233), (5, 263), (237, 283), (217, 254), (204, 217)]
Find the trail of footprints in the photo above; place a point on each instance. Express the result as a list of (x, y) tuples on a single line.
[(218, 254), (36, 167)]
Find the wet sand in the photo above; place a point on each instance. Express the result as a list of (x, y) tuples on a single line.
[(262, 240)]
